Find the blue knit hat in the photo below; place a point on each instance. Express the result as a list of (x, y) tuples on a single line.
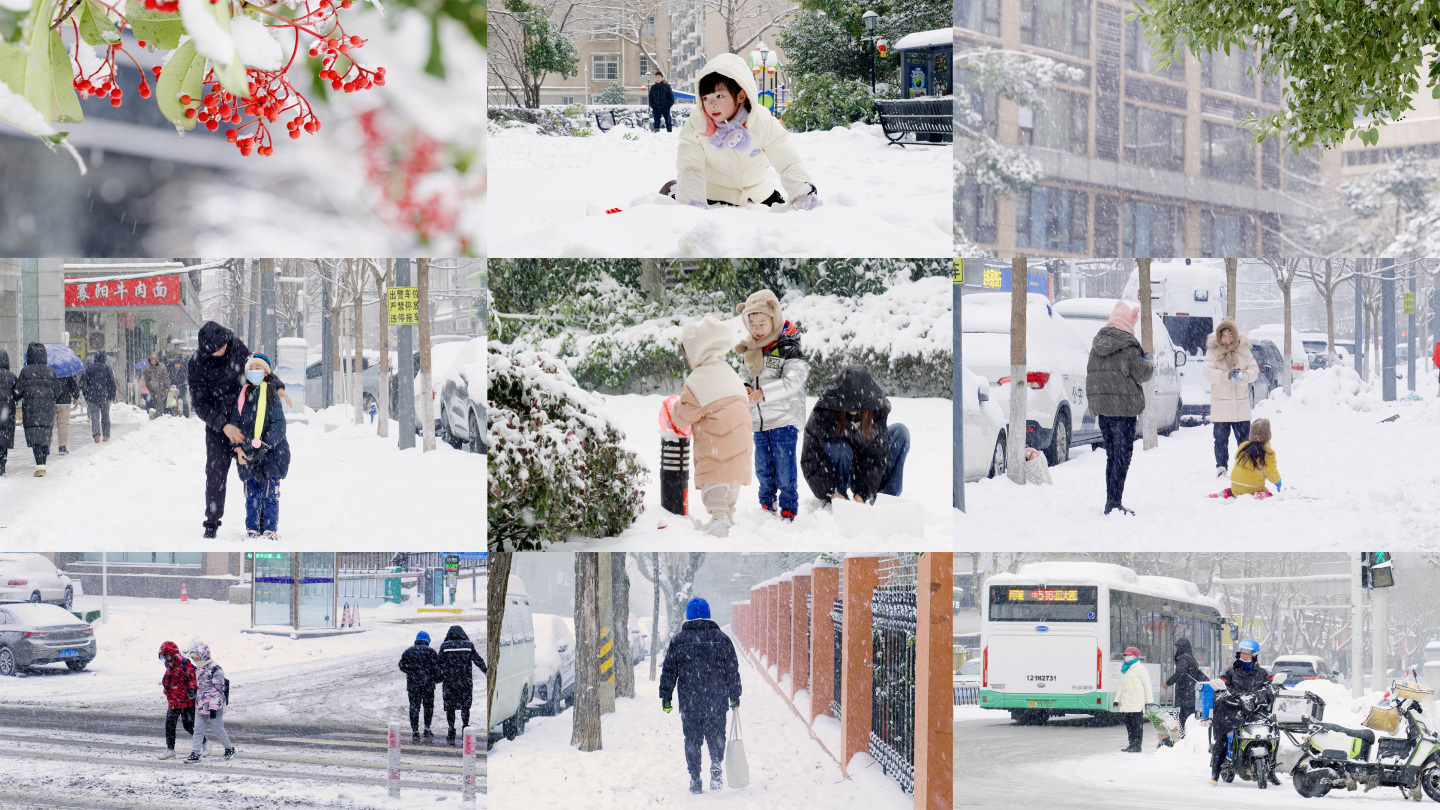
[(269, 366), (697, 609), (422, 636)]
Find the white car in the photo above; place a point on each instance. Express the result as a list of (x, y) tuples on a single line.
[(984, 429), (1303, 668), (33, 578), (1056, 414), (554, 663), (515, 671), (457, 369), (1299, 353), (639, 639), (1088, 315)]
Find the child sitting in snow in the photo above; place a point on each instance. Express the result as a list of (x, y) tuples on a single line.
[(1254, 465), (774, 374), (728, 147), (264, 456), (713, 402)]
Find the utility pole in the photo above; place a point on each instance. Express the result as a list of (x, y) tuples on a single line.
[(327, 350), (405, 372), (1150, 439), (252, 331), (1410, 308), (1360, 325), (1357, 618), (1232, 286), (957, 404), (1379, 627), (267, 310), (1015, 436), (1387, 329)]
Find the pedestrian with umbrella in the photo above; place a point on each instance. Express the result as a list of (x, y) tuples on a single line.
[(68, 367), (36, 387), (99, 389)]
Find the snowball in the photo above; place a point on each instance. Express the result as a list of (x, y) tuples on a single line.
[(256, 44)]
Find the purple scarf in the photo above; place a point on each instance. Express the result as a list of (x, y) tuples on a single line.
[(732, 134)]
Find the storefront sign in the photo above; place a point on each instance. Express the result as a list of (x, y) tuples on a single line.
[(135, 292)]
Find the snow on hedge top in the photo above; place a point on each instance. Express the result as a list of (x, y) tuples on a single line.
[(1108, 574), (926, 39), (909, 318), (1332, 389), (549, 384)]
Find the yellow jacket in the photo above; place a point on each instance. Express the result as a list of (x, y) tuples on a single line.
[(1246, 480), (706, 173)]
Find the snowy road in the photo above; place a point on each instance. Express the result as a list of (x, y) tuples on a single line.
[(20, 462), (145, 490), (551, 194), (642, 763), (923, 501), (1348, 477)]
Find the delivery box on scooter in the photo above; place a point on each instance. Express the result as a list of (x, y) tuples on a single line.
[(1298, 709)]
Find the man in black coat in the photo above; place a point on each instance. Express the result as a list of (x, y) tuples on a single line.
[(99, 389), (38, 386), (701, 663), (8, 393), (1245, 676), (421, 666), (457, 655), (661, 99), (1187, 674)]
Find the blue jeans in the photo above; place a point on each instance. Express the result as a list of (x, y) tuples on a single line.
[(262, 505), (658, 113), (775, 467), (842, 461)]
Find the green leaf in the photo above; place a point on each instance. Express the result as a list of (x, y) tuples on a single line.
[(65, 102), (231, 76), (41, 72), (183, 74), (96, 28), (161, 30)]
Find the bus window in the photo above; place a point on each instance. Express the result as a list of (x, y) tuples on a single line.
[(1189, 332)]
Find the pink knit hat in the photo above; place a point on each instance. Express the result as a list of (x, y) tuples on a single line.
[(1124, 317)]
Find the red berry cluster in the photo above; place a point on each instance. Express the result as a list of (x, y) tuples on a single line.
[(397, 164), (163, 6), (100, 82), (335, 47)]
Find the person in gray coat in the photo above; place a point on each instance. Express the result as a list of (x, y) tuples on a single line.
[(1118, 367)]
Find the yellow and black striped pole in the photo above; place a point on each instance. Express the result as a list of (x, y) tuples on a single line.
[(607, 656)]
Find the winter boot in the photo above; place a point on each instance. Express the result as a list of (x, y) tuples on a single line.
[(251, 533), (415, 737), (695, 786), (1118, 508), (716, 777), (787, 516), (1270, 775), (192, 759), (271, 534), (1221, 470), (428, 735), (209, 533), (107, 438), (63, 451), (718, 527), (169, 754), (450, 737), (40, 471), (769, 507), (229, 754), (97, 438)]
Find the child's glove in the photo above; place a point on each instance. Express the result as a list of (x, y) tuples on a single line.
[(1236, 375), (1277, 485), (806, 202), (734, 703)]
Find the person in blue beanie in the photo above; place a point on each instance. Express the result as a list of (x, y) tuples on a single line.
[(701, 664), (421, 665)]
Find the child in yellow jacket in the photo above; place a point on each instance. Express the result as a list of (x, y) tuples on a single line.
[(1254, 465)]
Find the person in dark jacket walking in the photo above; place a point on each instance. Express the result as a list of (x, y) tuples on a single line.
[(1244, 676), (264, 454), (179, 686), (178, 379), (850, 448), (661, 99), (1187, 674), (215, 374), (701, 665), (67, 390), (98, 386), (421, 666), (37, 386), (1118, 367), (8, 393), (457, 654)]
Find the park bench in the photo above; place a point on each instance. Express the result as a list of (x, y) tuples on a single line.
[(928, 119)]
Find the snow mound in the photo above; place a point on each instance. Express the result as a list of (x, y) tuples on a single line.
[(1331, 389)]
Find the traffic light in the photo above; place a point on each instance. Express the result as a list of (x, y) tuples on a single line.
[(1382, 572)]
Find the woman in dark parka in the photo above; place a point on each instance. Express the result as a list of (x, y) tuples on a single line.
[(38, 386)]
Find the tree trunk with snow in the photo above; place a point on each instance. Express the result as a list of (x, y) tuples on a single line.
[(498, 572), (382, 392), (357, 366), (654, 615), (427, 400), (620, 621), (1015, 439), (1151, 439), (585, 732), (1232, 286), (1289, 364)]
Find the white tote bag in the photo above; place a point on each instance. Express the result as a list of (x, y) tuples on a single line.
[(736, 768)]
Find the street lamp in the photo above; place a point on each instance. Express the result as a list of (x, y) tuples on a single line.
[(870, 18)]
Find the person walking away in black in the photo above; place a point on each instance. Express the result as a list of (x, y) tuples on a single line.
[(9, 391), (37, 386), (421, 666), (1245, 675), (215, 375), (98, 386), (701, 665), (456, 656), (1187, 674), (177, 379), (1117, 368), (661, 99)]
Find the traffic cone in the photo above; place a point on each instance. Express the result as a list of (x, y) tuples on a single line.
[(183, 597)]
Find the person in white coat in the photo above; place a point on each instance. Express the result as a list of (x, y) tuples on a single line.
[(729, 145), (1229, 368), (1135, 691)]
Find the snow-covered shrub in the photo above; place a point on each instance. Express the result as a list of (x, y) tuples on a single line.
[(614, 94), (557, 467), (824, 101)]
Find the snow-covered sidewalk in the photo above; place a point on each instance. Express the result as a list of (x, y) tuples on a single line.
[(642, 762), (550, 194), (926, 491)]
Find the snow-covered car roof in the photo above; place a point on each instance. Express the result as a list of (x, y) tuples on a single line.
[(1050, 342), (41, 614), (550, 630), (1109, 574)]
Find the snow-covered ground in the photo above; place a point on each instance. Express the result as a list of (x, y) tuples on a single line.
[(861, 528), (346, 487), (1348, 476), (551, 194), (642, 761)]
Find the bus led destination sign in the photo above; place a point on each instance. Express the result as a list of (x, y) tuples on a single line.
[(1043, 595)]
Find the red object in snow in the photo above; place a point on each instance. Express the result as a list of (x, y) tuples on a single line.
[(183, 596), (612, 210)]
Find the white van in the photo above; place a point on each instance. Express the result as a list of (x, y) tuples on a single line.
[(515, 671)]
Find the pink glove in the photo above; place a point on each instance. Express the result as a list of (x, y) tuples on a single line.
[(806, 202), (667, 424)]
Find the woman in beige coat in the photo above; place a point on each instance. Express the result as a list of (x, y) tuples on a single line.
[(1229, 368), (715, 404)]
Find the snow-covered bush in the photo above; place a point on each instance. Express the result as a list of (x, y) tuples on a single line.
[(557, 467), (824, 101)]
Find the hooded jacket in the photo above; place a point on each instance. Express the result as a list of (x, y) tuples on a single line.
[(273, 461), (1229, 399), (782, 379), (700, 662), (38, 386), (98, 384), (1436, 356), (8, 393), (706, 173), (1187, 672), (209, 682), (179, 679), (713, 402), (853, 391), (421, 665), (1116, 370), (457, 654), (215, 381)]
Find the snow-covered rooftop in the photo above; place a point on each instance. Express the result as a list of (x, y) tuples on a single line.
[(926, 39)]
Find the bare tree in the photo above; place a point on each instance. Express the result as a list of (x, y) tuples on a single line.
[(631, 21), (357, 367), (675, 575), (382, 275), (586, 730), (1284, 272), (745, 21), (513, 40), (1015, 437), (498, 570), (620, 621), (1328, 276)]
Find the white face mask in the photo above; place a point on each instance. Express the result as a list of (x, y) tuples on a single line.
[(254, 375)]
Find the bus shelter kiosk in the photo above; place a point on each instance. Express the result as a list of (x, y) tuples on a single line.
[(925, 58), (293, 592)]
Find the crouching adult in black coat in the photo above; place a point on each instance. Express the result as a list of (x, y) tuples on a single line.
[(701, 662), (457, 654), (421, 666)]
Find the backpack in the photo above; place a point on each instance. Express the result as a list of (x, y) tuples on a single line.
[(226, 692)]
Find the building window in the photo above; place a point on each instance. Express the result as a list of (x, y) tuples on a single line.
[(1139, 57), (976, 212), (1226, 234), (1060, 25), (647, 68), (567, 100), (1228, 153), (1063, 124), (195, 558), (1228, 72), (647, 29), (605, 67), (1152, 229), (1154, 139), (982, 16), (984, 105), (1052, 219)]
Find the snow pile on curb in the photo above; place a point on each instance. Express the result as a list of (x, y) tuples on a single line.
[(1332, 389)]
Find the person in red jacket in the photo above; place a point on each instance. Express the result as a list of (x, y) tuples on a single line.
[(1436, 356), (179, 686)]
